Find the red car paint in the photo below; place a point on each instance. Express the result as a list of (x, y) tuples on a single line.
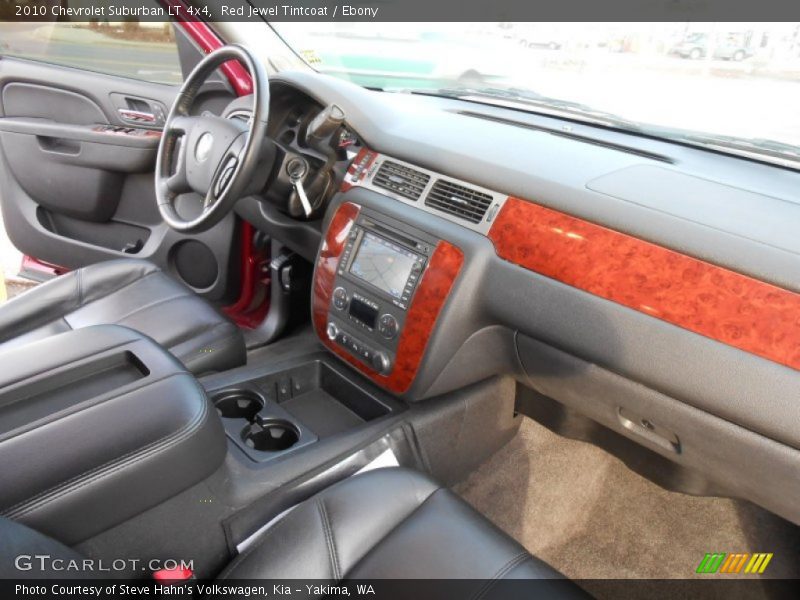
[(208, 41), (47, 270)]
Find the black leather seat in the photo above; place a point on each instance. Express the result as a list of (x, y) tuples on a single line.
[(133, 293), (385, 524), (392, 524)]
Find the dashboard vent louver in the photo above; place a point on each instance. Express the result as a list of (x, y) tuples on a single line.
[(458, 200), (401, 180)]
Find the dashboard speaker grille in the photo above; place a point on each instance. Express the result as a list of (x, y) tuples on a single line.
[(401, 180), (458, 200)]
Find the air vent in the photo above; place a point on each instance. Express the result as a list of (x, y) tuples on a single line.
[(401, 180), (458, 200)]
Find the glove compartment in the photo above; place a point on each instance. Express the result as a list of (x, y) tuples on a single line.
[(733, 460)]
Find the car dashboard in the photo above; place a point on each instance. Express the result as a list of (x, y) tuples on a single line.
[(645, 284)]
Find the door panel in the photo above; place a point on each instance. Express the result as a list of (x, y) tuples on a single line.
[(45, 102), (77, 155)]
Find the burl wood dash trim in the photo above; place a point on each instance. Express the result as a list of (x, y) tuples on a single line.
[(720, 304)]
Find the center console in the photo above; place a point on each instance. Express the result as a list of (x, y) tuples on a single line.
[(378, 288), (99, 421)]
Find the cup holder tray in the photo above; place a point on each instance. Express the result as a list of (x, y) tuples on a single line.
[(288, 408), (271, 435), (259, 427), (238, 404)]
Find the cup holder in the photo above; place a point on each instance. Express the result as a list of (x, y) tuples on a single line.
[(238, 404), (273, 435)]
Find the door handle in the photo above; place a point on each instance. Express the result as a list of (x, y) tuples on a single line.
[(137, 116)]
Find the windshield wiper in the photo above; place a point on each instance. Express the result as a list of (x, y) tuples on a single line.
[(509, 97)]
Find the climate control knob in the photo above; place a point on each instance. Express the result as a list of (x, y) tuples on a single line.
[(381, 362), (387, 326)]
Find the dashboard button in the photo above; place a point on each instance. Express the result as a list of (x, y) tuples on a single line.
[(381, 362), (332, 331), (340, 298), (387, 326)]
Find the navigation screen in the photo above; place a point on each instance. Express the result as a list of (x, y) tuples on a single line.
[(383, 264)]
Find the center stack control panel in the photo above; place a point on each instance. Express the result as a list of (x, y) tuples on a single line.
[(378, 272)]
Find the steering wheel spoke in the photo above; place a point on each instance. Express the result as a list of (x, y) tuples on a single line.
[(227, 169), (177, 184), (181, 124), (175, 177), (214, 157)]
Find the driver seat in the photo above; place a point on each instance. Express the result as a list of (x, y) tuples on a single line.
[(133, 293)]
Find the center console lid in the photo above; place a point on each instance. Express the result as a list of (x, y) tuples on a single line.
[(99, 422)]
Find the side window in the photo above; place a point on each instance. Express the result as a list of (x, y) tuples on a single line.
[(139, 50)]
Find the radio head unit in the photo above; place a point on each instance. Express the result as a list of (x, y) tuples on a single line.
[(386, 266), (385, 261), (376, 276)]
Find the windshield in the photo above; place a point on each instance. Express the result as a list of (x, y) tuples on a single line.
[(733, 86)]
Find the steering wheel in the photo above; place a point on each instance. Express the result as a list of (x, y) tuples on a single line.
[(215, 157)]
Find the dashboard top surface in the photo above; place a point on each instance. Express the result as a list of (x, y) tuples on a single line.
[(728, 211)]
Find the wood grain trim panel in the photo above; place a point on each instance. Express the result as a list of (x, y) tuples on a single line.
[(325, 272), (720, 304), (432, 291)]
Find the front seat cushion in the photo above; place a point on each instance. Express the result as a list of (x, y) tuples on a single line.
[(385, 524), (133, 293), (390, 524)]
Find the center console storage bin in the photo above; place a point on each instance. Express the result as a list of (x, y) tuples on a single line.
[(97, 425)]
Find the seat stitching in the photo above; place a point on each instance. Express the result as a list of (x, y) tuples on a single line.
[(329, 539), (130, 283), (151, 305), (194, 333), (42, 498), (34, 322), (54, 494), (516, 560), (395, 527), (27, 506), (263, 538), (242, 556)]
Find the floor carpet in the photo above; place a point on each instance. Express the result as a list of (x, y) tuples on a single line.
[(584, 512)]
